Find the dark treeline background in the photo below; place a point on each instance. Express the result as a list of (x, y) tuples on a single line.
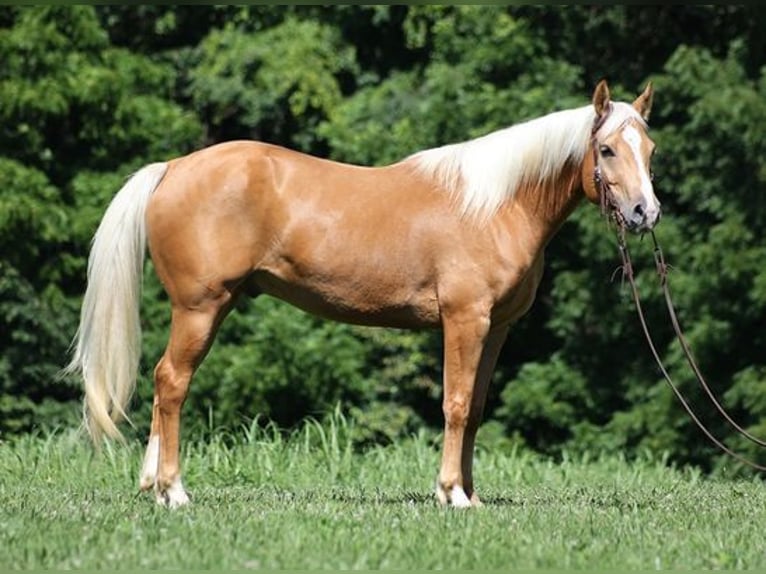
[(89, 94)]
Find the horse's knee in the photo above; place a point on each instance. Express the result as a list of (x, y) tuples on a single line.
[(456, 410)]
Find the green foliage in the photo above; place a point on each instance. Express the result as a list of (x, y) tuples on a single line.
[(71, 108), (89, 94), (545, 402), (27, 209), (260, 85), (275, 361), (485, 73), (404, 373), (32, 328)]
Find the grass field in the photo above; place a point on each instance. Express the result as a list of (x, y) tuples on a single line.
[(308, 501)]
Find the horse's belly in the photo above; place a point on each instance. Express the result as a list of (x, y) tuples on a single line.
[(372, 302)]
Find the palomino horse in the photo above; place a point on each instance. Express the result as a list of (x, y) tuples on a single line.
[(449, 238)]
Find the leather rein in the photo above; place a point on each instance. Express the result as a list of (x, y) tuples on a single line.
[(609, 209)]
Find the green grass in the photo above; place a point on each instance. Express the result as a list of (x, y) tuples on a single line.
[(309, 501)]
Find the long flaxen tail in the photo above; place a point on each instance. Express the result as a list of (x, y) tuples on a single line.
[(107, 347)]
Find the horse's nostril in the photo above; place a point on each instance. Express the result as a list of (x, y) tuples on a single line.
[(638, 210)]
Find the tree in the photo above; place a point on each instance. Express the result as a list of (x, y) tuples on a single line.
[(74, 112), (89, 94), (274, 85)]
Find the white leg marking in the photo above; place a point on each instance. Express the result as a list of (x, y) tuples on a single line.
[(174, 496), (151, 463), (458, 498)]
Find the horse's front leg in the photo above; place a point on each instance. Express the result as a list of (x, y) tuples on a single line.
[(492, 347), (464, 337)]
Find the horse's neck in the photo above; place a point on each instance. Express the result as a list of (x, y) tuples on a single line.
[(545, 206)]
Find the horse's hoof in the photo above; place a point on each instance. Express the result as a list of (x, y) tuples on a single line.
[(173, 496), (455, 497)]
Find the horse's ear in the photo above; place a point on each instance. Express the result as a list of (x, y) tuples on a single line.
[(643, 103), (601, 98)]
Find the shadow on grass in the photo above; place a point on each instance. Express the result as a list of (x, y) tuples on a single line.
[(265, 495)]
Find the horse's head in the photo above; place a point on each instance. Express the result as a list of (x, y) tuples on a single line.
[(619, 175)]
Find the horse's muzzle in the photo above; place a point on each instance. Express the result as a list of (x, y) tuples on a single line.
[(642, 218)]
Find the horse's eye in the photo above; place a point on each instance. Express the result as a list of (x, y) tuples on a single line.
[(606, 151)]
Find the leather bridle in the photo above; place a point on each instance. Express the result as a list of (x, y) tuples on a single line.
[(606, 199)]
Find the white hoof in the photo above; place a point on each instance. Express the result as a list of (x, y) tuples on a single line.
[(173, 496), (456, 497)]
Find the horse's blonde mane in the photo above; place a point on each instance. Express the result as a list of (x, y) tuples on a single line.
[(484, 173)]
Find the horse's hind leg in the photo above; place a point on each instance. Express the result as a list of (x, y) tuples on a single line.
[(191, 334), (151, 462)]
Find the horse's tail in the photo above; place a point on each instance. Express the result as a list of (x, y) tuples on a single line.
[(107, 347)]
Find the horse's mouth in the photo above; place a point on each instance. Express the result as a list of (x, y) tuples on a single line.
[(644, 225), (638, 226)]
